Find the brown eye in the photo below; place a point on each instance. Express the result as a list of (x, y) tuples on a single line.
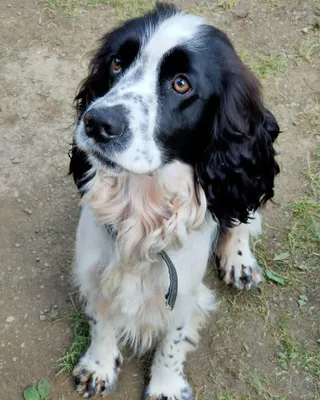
[(116, 65), (181, 85)]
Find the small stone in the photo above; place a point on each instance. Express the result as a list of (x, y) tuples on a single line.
[(10, 319), (46, 265), (27, 211), (17, 245), (22, 345), (15, 161), (42, 317), (38, 259), (14, 359), (41, 286)]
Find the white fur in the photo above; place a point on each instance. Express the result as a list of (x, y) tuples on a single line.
[(125, 295), (135, 301), (237, 263)]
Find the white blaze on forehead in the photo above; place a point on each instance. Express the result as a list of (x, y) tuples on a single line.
[(172, 32)]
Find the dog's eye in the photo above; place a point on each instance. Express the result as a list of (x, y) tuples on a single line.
[(181, 85), (116, 65)]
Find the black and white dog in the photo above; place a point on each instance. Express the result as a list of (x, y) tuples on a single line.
[(173, 154)]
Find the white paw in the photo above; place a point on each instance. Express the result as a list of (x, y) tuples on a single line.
[(98, 376), (240, 269), (174, 387)]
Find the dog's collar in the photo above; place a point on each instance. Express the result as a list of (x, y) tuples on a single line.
[(171, 295)]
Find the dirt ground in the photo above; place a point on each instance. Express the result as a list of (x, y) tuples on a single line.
[(259, 345)]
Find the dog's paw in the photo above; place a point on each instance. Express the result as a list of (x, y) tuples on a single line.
[(240, 270), (93, 377), (176, 388)]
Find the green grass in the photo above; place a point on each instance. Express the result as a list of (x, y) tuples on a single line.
[(209, 7), (128, 9), (308, 49), (263, 65), (227, 397), (259, 384), (303, 238), (288, 352), (299, 258), (79, 345), (72, 7), (311, 360)]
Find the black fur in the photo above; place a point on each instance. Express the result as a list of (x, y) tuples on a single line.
[(238, 167), (223, 129)]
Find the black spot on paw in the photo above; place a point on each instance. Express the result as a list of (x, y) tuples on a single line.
[(190, 341), (239, 252), (117, 362), (232, 273), (180, 328)]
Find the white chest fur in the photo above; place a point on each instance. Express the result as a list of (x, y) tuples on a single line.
[(150, 215)]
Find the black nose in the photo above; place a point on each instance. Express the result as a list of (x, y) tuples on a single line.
[(104, 123)]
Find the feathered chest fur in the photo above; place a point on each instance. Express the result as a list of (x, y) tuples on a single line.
[(149, 213)]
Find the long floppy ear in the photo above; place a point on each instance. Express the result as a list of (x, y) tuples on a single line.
[(95, 85), (238, 166)]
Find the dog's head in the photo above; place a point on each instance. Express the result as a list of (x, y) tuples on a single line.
[(166, 87)]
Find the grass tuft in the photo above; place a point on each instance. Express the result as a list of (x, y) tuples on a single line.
[(79, 345), (208, 7), (308, 49), (263, 65), (128, 9)]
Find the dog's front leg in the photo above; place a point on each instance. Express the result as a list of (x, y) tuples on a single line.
[(235, 260), (97, 370), (167, 379)]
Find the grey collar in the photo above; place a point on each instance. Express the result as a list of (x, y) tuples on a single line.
[(171, 295)]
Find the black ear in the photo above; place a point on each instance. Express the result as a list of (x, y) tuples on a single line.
[(95, 85), (238, 165)]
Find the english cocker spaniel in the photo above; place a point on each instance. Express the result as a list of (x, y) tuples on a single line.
[(173, 156)]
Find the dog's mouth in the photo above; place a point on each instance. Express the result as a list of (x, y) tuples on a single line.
[(106, 163)]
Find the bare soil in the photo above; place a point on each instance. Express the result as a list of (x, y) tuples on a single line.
[(42, 60)]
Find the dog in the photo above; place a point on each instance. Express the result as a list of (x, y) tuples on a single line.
[(173, 156)]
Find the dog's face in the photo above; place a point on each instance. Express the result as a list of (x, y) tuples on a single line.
[(161, 75), (166, 87)]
